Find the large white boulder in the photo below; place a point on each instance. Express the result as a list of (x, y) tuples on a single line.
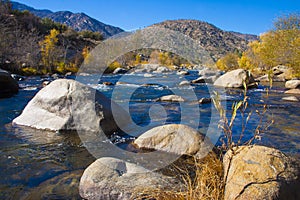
[(115, 179), (175, 138), (235, 79), (69, 105)]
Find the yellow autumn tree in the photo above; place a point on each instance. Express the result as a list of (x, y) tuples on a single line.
[(228, 62), (49, 50), (280, 46)]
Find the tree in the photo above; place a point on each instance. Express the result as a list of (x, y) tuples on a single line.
[(280, 46), (228, 62), (288, 22), (48, 49)]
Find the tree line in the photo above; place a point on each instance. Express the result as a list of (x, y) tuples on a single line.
[(31, 45)]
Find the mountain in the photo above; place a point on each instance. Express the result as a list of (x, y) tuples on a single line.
[(216, 41), (248, 37), (77, 21)]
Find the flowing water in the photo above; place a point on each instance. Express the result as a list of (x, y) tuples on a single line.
[(48, 165)]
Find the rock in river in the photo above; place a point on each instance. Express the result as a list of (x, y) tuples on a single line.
[(171, 98), (8, 85), (258, 172), (235, 79), (114, 179), (292, 84), (69, 105), (175, 138)]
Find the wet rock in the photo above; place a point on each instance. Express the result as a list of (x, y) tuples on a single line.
[(205, 79), (258, 172), (235, 79), (292, 91), (265, 78), (147, 75), (182, 72), (114, 179), (292, 84), (120, 71), (161, 69), (171, 98), (291, 98), (8, 85), (205, 100), (184, 83), (175, 138), (107, 83), (69, 105), (18, 77)]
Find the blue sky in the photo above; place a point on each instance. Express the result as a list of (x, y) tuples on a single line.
[(245, 16)]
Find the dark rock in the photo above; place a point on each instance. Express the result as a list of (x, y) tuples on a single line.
[(8, 85)]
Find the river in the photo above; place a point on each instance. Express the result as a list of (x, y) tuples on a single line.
[(45, 165)]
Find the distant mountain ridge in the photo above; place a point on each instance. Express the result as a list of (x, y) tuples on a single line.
[(77, 21), (216, 41)]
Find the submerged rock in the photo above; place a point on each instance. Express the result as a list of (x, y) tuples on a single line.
[(235, 79), (114, 179), (293, 91), (290, 98), (69, 105), (258, 172), (175, 138), (8, 85)]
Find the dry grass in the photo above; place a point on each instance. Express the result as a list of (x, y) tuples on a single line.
[(202, 180)]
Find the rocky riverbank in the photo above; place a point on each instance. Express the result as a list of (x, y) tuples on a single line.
[(253, 172)]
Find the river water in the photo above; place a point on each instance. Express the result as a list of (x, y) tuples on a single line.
[(46, 165)]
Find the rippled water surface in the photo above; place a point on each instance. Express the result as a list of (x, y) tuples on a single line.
[(48, 165)]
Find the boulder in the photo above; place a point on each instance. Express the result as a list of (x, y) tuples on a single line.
[(265, 78), (204, 100), (182, 72), (120, 70), (280, 69), (235, 79), (258, 172), (147, 75), (174, 138), (171, 98), (292, 84), (209, 72), (8, 85), (205, 79), (114, 179), (292, 91), (184, 83), (69, 105), (162, 69), (291, 98)]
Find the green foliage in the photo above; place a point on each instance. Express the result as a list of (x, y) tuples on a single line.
[(48, 25), (91, 35)]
